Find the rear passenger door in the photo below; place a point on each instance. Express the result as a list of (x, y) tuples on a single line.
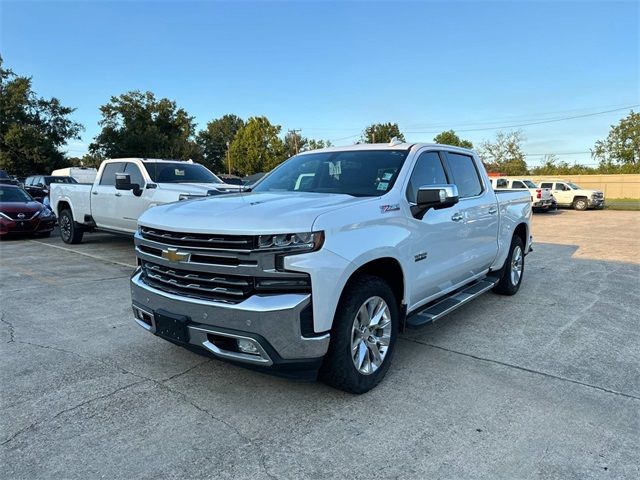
[(477, 211), (104, 205)]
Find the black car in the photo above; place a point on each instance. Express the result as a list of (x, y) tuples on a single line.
[(6, 179), (38, 185)]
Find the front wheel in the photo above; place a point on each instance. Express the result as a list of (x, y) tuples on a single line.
[(580, 204), (70, 232), (363, 336), (511, 278)]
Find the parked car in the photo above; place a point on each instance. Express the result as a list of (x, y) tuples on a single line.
[(21, 214), (541, 198), (569, 194), (81, 174), (124, 189), (318, 276), (6, 179), (38, 186)]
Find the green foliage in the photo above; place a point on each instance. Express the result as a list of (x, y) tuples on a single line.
[(620, 151), (257, 147), (294, 143), (504, 155), (32, 129), (216, 138), (135, 124), (316, 144), (381, 133), (552, 166), (450, 138)]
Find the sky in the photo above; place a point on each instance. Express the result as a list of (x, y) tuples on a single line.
[(332, 68)]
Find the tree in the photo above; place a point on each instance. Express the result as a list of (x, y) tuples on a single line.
[(620, 151), (216, 138), (32, 129), (552, 166), (450, 138), (381, 133), (257, 147), (294, 143), (135, 124), (504, 155), (316, 144)]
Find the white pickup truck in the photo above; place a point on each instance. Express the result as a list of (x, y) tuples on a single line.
[(318, 268), (541, 198), (126, 187)]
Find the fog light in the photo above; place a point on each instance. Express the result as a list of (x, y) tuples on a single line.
[(248, 346)]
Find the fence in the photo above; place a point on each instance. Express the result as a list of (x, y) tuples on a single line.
[(613, 186)]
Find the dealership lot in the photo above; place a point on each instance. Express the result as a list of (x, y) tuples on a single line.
[(545, 384)]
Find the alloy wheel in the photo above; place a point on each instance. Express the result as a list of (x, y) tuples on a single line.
[(370, 335)]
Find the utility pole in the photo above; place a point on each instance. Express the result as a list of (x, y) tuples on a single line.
[(228, 158), (294, 132)]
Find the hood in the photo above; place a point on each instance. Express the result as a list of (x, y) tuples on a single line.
[(198, 188), (246, 213), (21, 207)]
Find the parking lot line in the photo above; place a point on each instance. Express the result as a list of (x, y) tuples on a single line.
[(95, 257)]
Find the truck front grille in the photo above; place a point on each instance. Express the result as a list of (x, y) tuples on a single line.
[(219, 287), (199, 240)]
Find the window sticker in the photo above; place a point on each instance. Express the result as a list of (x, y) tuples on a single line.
[(335, 169), (383, 186), (179, 172), (387, 176)]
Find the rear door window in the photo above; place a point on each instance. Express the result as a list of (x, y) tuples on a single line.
[(465, 174), (518, 184), (109, 173)]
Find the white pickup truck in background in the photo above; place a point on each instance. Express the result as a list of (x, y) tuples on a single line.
[(125, 188), (318, 268), (541, 198)]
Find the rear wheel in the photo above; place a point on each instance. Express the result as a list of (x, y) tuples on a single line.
[(363, 336), (513, 270), (70, 231), (580, 204)]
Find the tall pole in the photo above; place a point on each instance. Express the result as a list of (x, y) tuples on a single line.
[(295, 137), (228, 158)]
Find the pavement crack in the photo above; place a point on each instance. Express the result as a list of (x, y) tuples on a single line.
[(12, 329), (186, 371), (67, 410), (524, 369)]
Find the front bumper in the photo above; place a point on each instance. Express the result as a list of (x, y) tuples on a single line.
[(26, 227), (542, 204), (595, 202), (271, 322)]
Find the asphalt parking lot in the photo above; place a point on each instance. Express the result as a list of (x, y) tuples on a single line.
[(545, 384)]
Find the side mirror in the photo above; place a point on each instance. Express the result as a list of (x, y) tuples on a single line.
[(436, 197), (123, 182)]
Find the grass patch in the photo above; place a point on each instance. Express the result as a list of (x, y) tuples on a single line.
[(622, 204)]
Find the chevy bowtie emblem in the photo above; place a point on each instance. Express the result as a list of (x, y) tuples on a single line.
[(21, 215), (173, 255)]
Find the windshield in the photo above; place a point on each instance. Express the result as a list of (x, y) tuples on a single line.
[(360, 173), (50, 180), (179, 172), (574, 186), (14, 195), (529, 184)]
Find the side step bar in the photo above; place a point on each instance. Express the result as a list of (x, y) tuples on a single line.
[(441, 307)]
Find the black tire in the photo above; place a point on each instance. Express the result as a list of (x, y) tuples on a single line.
[(70, 231), (339, 369), (506, 285), (581, 204)]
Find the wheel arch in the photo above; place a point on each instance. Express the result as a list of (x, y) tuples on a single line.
[(386, 268)]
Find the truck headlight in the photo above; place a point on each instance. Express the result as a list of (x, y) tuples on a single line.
[(307, 241)]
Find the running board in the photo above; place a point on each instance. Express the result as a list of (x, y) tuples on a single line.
[(449, 303)]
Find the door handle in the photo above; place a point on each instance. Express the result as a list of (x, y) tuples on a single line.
[(456, 217), (118, 194), (493, 210), (94, 193)]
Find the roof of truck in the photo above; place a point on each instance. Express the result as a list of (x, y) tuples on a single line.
[(385, 146), (147, 160)]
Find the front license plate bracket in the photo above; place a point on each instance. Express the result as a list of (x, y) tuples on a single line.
[(172, 327)]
